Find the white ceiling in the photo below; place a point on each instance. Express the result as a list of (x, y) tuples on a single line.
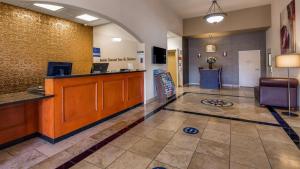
[(68, 12), (194, 8)]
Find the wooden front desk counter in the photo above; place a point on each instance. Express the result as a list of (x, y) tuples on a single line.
[(85, 99)]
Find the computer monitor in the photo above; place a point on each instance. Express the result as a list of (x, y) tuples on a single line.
[(59, 68), (99, 67)]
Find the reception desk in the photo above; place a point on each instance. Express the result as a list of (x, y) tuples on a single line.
[(70, 104), (82, 100), (19, 117)]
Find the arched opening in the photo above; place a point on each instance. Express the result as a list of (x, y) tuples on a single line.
[(40, 35)]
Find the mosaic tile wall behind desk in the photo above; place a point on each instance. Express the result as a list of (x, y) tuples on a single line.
[(30, 39)]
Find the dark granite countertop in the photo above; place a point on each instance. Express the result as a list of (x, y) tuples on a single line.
[(93, 74), (20, 97)]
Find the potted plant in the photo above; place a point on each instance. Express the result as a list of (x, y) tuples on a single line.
[(211, 60)]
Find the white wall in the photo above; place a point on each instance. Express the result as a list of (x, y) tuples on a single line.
[(149, 20), (273, 36), (175, 43), (128, 47)]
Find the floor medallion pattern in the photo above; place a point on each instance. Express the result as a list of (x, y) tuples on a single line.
[(217, 102)]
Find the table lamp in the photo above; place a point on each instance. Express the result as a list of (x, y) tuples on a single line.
[(288, 61)]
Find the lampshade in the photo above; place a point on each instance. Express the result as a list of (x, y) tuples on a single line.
[(288, 60), (215, 14), (211, 48)]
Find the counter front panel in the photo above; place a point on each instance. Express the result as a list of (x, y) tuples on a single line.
[(80, 101), (18, 120)]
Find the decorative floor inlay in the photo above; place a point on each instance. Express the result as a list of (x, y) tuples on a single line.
[(191, 130), (159, 168), (286, 127), (217, 102)]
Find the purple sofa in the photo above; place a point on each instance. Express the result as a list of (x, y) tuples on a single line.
[(274, 92)]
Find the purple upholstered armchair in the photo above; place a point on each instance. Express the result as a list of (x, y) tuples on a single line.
[(274, 92)]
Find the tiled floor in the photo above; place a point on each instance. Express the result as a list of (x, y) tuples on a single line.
[(159, 141), (243, 107), (294, 122)]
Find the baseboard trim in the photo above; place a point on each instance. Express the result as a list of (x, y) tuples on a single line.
[(19, 140), (152, 99), (224, 85)]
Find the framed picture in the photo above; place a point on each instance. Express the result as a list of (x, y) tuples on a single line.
[(96, 52), (288, 28)]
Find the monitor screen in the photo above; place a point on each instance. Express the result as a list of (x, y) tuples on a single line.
[(159, 55), (99, 67), (59, 68)]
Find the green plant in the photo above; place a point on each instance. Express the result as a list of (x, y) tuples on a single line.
[(211, 60)]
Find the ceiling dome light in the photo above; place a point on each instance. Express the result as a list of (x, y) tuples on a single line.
[(215, 14)]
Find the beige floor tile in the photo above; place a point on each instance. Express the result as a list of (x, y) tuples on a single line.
[(184, 141), (52, 149), (249, 158), (147, 147), (219, 120), (234, 165), (130, 161), (81, 146), (160, 135), (100, 136), (244, 129), (84, 165), (151, 123), (89, 132), (247, 142), (283, 153), (105, 156), (275, 135), (140, 130), (197, 119), (26, 146), (223, 127), (54, 161), (126, 141), (24, 160), (159, 164), (171, 125), (216, 136), (175, 156), (213, 149), (4, 156), (202, 161), (284, 163)]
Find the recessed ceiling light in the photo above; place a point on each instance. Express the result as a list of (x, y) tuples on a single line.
[(48, 6), (87, 17), (116, 39)]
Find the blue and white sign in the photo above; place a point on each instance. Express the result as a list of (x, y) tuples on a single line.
[(191, 130), (96, 52)]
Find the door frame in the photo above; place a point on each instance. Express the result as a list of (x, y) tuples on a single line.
[(176, 59), (260, 67)]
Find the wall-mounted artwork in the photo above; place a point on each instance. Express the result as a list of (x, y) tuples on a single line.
[(96, 52), (287, 29)]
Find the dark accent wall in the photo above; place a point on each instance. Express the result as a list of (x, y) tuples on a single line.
[(185, 55), (232, 44)]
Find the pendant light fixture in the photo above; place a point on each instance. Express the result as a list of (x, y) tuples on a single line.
[(210, 47), (215, 14)]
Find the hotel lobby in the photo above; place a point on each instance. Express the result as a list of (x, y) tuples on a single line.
[(149, 84)]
